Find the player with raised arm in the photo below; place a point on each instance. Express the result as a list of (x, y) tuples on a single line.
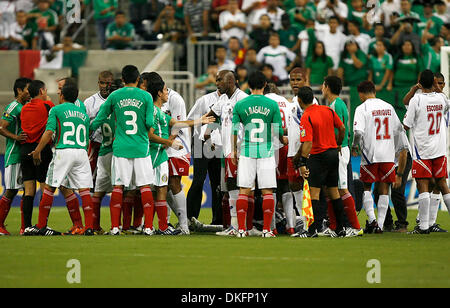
[(375, 127), (261, 119), (130, 166), (425, 116)]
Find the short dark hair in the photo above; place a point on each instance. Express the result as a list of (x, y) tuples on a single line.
[(70, 92), (366, 87), (130, 74), (119, 12), (306, 95), (154, 84), (34, 87), (68, 80), (334, 83), (334, 17), (267, 65), (256, 80), (426, 79), (439, 75), (20, 83), (271, 87)]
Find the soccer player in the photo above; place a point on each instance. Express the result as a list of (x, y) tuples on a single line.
[(425, 116), (375, 127), (318, 159), (331, 89), (70, 162), (11, 130), (256, 113), (133, 110)]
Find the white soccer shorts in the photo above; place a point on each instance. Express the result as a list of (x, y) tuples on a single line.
[(223, 183), (344, 159), (13, 177), (132, 172), (162, 174), (70, 168), (103, 180), (263, 169)]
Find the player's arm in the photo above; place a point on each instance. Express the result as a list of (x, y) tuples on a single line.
[(411, 93), (280, 131), (190, 123), (170, 143), (46, 137), (306, 137), (236, 126), (6, 133), (402, 147), (358, 131), (410, 115), (103, 113), (341, 128)]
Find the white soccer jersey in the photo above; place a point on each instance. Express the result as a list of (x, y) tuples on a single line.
[(224, 109), (425, 116), (202, 106), (285, 111), (277, 57), (379, 125), (93, 104), (176, 108)]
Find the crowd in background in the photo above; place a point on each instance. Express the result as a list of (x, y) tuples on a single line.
[(389, 44)]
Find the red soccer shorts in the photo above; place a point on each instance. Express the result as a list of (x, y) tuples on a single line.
[(230, 168), (282, 164), (430, 168), (179, 166), (378, 172)]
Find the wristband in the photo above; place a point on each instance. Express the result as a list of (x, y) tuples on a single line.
[(302, 161)]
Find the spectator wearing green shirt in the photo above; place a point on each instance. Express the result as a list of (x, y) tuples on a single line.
[(22, 33), (103, 15), (407, 66), (380, 68), (353, 65), (318, 65), (428, 17), (431, 54), (379, 31), (300, 14), (46, 21), (119, 33), (288, 32)]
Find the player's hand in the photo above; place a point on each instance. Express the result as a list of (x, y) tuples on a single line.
[(285, 140), (22, 137), (207, 120), (339, 149), (176, 144), (304, 171), (36, 157), (234, 159), (398, 182)]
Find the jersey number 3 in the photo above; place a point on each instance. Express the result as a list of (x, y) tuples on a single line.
[(131, 122)]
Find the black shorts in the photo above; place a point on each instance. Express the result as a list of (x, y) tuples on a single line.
[(324, 169), (29, 170)]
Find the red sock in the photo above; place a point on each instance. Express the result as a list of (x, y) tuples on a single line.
[(161, 211), (148, 205), (115, 206), (74, 210), (241, 209), (22, 226), (127, 207), (226, 211), (250, 212), (268, 206), (138, 211), (350, 210), (331, 216), (5, 205), (88, 209), (44, 208), (96, 214)]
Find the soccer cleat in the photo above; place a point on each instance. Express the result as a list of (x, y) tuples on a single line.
[(437, 228), (350, 232), (301, 233), (401, 229), (228, 232), (197, 225), (372, 228), (46, 231), (30, 231), (254, 232), (21, 231), (114, 231), (327, 233), (148, 231), (88, 232), (75, 231), (3, 231), (267, 233), (135, 231), (417, 230), (290, 231), (169, 231), (241, 233), (184, 231), (388, 228), (100, 231)]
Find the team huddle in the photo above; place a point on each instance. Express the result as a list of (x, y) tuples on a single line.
[(132, 139)]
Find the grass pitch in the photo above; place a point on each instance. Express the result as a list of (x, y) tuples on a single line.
[(208, 261)]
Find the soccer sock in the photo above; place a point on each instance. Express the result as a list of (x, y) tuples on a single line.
[(298, 197), (44, 208), (168, 212), (88, 209), (435, 199), (115, 206), (22, 227), (96, 215), (234, 194), (127, 208), (180, 208), (226, 211), (331, 216), (338, 208), (288, 207), (27, 210), (138, 211), (148, 205), (368, 206), (447, 202), (350, 210), (424, 210), (5, 205), (241, 208), (268, 206), (161, 211), (383, 204), (74, 210), (250, 212), (273, 223)]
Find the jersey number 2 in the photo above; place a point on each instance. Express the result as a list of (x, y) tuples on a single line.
[(257, 130)]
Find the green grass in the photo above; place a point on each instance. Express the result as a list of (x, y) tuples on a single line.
[(205, 260)]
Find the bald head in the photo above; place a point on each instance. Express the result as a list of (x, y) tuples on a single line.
[(226, 82)]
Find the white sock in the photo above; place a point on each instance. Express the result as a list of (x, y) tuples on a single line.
[(368, 206), (288, 207), (234, 194), (298, 197), (383, 204), (424, 210), (168, 212), (179, 208), (273, 224), (435, 200), (447, 201)]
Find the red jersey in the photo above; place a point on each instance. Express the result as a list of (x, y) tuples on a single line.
[(33, 118), (317, 125)]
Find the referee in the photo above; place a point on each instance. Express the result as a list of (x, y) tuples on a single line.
[(318, 159)]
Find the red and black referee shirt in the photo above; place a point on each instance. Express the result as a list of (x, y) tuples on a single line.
[(33, 118), (317, 125)]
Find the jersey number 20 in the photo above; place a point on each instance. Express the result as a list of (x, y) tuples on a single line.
[(80, 133)]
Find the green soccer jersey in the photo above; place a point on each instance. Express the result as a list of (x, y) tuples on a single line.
[(133, 109), (319, 69), (378, 67), (12, 115), (340, 107), (108, 128), (406, 71), (127, 30), (162, 130), (430, 59), (352, 74), (50, 15), (80, 104), (257, 113), (306, 12), (101, 5), (70, 125)]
